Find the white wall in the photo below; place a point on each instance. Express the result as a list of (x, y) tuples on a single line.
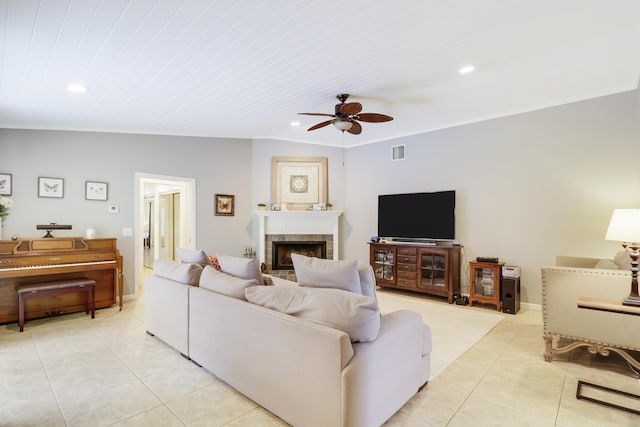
[(528, 187), (218, 165)]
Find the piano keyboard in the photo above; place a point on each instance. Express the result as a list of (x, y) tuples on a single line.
[(35, 267)]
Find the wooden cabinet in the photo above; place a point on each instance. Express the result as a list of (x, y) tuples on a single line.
[(428, 269), (484, 284)]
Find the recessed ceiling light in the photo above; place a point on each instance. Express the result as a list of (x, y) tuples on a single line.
[(76, 88), (294, 124), (466, 69)]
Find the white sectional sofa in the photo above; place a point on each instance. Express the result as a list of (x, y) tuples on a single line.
[(305, 372), (600, 331)]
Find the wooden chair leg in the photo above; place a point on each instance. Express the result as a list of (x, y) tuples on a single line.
[(21, 312), (92, 296)]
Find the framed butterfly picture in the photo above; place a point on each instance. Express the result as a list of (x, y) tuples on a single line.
[(95, 190), (5, 184), (224, 204), (50, 187)]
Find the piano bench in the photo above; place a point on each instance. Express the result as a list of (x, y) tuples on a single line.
[(56, 287)]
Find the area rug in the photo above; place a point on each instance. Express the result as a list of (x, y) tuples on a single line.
[(454, 328)]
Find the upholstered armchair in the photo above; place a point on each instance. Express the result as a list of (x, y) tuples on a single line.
[(567, 326)]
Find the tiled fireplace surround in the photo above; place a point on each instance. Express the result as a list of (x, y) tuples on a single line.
[(296, 226), (290, 274)]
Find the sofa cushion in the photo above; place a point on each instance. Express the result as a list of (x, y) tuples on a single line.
[(623, 259), (187, 273), (190, 256), (224, 283), (326, 273), (245, 268), (606, 264), (357, 315)]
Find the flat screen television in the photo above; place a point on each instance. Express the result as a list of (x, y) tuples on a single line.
[(417, 216)]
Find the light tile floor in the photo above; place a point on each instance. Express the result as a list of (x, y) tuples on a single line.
[(74, 371)]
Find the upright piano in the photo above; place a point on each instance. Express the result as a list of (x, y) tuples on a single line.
[(40, 260)]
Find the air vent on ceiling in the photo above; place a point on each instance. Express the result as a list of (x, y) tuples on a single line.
[(397, 152)]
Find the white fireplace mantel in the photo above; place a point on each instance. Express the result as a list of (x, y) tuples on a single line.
[(297, 222)]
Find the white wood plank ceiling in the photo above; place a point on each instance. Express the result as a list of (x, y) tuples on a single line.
[(245, 68)]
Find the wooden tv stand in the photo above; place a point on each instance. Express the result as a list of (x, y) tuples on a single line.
[(429, 269)]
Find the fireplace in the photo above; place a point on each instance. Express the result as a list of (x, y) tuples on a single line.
[(281, 252), (279, 248), (313, 229)]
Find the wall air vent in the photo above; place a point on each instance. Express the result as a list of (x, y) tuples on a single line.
[(397, 152)]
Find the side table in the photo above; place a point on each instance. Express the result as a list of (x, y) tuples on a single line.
[(634, 365), (485, 283)]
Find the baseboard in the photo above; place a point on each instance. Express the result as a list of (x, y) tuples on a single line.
[(531, 306), (527, 305)]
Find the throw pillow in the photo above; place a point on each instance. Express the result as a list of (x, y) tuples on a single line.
[(188, 274), (225, 284), (214, 262), (198, 257), (357, 315), (326, 273), (623, 259), (367, 281), (245, 268), (606, 264)]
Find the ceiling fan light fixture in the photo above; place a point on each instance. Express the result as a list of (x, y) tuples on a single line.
[(76, 88), (343, 125), (347, 117)]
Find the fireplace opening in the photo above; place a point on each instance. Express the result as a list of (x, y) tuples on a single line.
[(282, 250)]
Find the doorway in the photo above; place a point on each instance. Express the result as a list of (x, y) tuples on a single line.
[(165, 220), (161, 228)]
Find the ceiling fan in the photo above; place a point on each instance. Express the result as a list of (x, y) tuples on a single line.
[(347, 115)]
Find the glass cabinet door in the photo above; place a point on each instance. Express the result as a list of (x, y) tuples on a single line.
[(485, 282), (433, 270), (383, 261)]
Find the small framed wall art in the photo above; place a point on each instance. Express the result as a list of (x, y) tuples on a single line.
[(95, 190), (5, 184), (50, 187), (299, 182), (225, 204)]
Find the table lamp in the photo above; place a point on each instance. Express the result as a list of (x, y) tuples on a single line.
[(625, 227)]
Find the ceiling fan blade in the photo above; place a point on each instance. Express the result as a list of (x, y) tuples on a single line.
[(356, 128), (317, 114), (351, 108), (320, 125), (373, 117)]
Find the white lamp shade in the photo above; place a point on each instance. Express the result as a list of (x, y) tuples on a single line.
[(343, 124), (624, 226)]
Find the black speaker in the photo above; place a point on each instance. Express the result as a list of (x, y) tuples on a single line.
[(510, 294)]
